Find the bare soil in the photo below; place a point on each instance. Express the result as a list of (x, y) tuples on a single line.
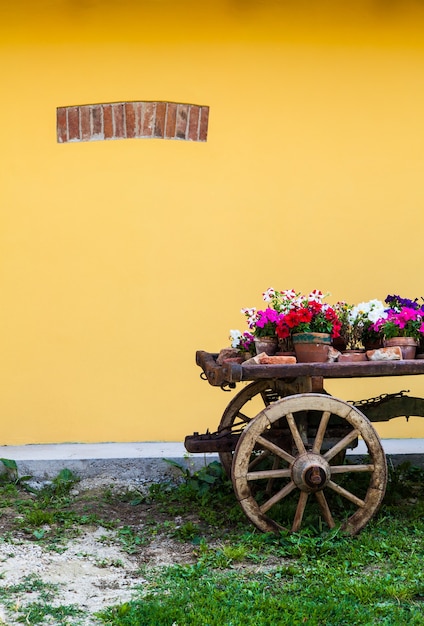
[(93, 570)]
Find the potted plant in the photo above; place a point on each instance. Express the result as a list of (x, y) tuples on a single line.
[(311, 323), (243, 342), (362, 317), (350, 341), (402, 324), (263, 325)]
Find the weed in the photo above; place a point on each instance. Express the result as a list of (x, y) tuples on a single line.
[(60, 486), (10, 474), (130, 540), (37, 517), (37, 612), (106, 563), (222, 556), (186, 532), (204, 480)]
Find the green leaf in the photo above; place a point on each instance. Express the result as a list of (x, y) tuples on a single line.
[(39, 534), (9, 464)]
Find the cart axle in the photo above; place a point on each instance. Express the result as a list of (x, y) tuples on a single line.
[(211, 442), (310, 472)]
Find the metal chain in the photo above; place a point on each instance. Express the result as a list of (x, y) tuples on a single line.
[(379, 399)]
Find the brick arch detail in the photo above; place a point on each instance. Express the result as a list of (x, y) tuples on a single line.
[(132, 120)]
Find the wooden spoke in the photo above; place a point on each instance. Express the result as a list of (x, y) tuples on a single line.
[(272, 447), (275, 466), (295, 433), (346, 469), (244, 418), (256, 460), (341, 445), (325, 510), (277, 497), (272, 473), (309, 471), (300, 509), (319, 438), (346, 494)]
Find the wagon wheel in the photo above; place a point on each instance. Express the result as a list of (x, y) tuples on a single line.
[(294, 478), (241, 411)]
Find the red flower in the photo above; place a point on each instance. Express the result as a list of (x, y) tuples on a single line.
[(304, 315), (315, 307), (282, 330)]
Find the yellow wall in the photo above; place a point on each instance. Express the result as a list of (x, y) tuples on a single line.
[(119, 259)]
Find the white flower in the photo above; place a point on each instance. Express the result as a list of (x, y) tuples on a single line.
[(368, 311), (269, 294), (235, 336), (290, 294), (315, 295), (251, 316)]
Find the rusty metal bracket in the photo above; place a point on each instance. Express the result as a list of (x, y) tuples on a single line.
[(229, 385)]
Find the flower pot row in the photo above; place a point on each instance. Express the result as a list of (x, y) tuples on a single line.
[(315, 348), (290, 319)]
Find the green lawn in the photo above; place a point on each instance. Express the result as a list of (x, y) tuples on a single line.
[(314, 577)]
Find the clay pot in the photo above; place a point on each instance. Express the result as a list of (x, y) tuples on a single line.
[(339, 344), (408, 346), (269, 345), (311, 347), (373, 345)]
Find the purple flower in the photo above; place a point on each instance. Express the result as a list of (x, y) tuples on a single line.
[(396, 302)]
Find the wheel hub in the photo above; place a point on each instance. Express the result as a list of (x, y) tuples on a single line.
[(310, 472)]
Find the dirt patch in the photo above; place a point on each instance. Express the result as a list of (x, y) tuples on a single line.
[(99, 566)]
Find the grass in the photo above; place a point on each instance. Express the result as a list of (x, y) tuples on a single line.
[(330, 579), (311, 577), (239, 576)]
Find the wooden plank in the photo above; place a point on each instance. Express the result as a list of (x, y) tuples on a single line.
[(365, 369), (233, 372)]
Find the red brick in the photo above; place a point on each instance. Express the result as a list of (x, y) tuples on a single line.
[(138, 118), (204, 119), (73, 124), (171, 120), (107, 121), (118, 121), (130, 119), (160, 119), (61, 125), (85, 123), (148, 121), (193, 123), (97, 121), (182, 119)]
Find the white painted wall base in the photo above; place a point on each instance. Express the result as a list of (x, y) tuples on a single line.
[(146, 462)]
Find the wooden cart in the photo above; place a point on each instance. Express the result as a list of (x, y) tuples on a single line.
[(283, 439)]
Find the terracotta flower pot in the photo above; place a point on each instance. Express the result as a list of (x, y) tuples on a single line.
[(311, 347), (408, 346), (373, 345), (269, 345)]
